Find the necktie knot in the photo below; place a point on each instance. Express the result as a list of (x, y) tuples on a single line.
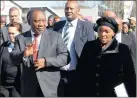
[(69, 24), (36, 35)]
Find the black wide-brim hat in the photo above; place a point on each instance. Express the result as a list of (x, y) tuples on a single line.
[(107, 21)]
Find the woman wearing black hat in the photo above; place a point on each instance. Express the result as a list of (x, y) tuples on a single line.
[(105, 64)]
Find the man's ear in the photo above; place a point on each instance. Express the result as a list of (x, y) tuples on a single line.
[(78, 10)]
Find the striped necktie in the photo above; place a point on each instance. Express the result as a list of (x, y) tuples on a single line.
[(66, 33)]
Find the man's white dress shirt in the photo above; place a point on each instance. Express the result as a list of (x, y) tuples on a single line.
[(71, 46)]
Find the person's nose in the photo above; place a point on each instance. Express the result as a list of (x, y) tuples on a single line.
[(41, 23), (69, 10), (103, 33)]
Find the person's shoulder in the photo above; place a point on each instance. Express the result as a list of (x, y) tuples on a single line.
[(53, 33), (19, 36), (59, 25), (123, 47), (25, 24), (25, 27), (4, 28), (92, 42), (60, 22), (83, 21), (86, 23), (23, 34), (131, 33)]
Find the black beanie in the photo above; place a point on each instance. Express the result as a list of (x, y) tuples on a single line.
[(107, 21)]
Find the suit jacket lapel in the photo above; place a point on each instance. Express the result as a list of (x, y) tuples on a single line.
[(63, 24), (78, 35), (78, 30), (43, 43), (61, 30)]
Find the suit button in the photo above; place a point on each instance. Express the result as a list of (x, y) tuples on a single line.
[(97, 84), (97, 93), (98, 66), (97, 75)]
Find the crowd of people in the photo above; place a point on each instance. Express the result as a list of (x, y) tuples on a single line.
[(67, 58)]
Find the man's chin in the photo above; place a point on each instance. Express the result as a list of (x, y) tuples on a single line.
[(103, 42), (69, 18), (40, 31), (36, 31), (15, 22)]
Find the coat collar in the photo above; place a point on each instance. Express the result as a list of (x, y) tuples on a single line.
[(112, 47)]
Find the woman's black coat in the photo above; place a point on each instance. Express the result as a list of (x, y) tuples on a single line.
[(100, 70)]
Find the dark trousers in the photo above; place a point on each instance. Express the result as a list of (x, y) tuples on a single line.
[(8, 92), (68, 80), (17, 83), (39, 91)]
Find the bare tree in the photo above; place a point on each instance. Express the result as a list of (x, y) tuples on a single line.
[(133, 13), (115, 6)]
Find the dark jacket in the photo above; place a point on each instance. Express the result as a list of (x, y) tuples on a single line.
[(100, 70), (8, 71), (84, 32), (50, 27), (53, 49)]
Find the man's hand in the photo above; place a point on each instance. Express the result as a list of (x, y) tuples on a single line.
[(39, 63), (28, 50)]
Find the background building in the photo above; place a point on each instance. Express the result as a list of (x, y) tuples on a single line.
[(90, 9)]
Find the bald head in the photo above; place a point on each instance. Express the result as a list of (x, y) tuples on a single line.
[(2, 21), (119, 22), (71, 10), (29, 15), (14, 15), (109, 14), (37, 13), (13, 9), (75, 2), (3, 18), (38, 21)]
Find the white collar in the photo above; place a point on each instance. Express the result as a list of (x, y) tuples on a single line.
[(32, 33)]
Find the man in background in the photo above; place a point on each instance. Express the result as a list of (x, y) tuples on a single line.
[(2, 21), (75, 33), (127, 39), (50, 22), (56, 19), (132, 21), (14, 16), (109, 13)]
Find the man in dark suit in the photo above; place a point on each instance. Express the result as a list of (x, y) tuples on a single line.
[(42, 53), (75, 33), (14, 16)]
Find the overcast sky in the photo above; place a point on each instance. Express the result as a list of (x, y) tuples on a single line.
[(51, 3)]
